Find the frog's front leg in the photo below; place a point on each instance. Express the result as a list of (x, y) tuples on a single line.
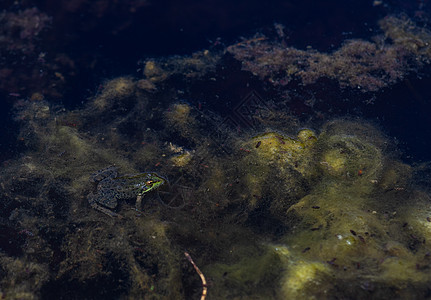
[(138, 204), (93, 203)]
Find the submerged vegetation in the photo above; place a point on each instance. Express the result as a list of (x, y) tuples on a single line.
[(279, 216), (358, 64), (269, 209)]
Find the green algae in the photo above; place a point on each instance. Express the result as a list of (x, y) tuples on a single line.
[(334, 204), (321, 213), (251, 274)]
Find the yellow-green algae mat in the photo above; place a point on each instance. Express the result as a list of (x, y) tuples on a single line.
[(325, 215), (361, 230)]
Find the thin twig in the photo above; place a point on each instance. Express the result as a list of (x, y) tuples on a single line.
[(204, 282)]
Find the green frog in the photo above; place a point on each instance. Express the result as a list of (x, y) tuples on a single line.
[(110, 188)]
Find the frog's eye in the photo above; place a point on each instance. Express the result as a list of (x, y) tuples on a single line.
[(149, 182)]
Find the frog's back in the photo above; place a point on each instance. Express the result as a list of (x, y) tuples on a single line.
[(108, 172), (106, 187)]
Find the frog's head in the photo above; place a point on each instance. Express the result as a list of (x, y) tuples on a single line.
[(153, 181)]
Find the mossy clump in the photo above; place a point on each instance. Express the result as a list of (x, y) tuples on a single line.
[(350, 158), (355, 218), (249, 274), (274, 160), (301, 277), (153, 72), (181, 160), (117, 89), (284, 152), (179, 114), (21, 279), (361, 65), (193, 66), (181, 120)]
